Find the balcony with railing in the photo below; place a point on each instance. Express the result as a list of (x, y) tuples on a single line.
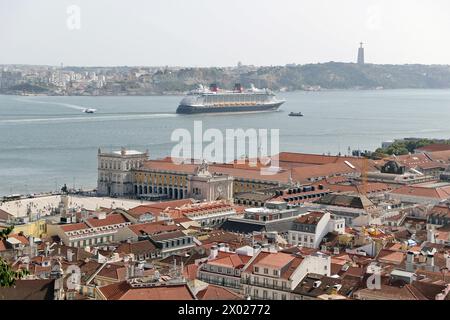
[(265, 285), (236, 285)]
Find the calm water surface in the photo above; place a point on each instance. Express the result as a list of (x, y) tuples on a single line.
[(48, 141)]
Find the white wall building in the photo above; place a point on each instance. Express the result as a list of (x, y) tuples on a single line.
[(309, 229), (273, 275), (114, 171)]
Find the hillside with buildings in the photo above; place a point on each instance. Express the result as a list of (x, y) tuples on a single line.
[(321, 228), (24, 79)]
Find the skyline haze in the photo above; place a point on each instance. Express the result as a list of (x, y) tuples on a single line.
[(202, 33)]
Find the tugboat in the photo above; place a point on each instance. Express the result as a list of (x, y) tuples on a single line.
[(295, 114)]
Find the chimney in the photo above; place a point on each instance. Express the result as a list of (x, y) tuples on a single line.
[(410, 257), (69, 255), (213, 252), (131, 272), (430, 260), (421, 258)]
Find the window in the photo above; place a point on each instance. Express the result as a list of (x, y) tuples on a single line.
[(266, 271), (256, 269), (275, 272)]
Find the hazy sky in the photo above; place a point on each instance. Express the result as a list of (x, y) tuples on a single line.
[(212, 32)]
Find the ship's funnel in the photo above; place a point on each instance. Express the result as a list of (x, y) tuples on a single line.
[(213, 87), (238, 87)]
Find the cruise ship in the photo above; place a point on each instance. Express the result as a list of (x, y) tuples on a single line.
[(212, 100)]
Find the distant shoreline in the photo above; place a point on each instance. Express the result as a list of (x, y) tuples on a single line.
[(181, 94), (175, 81)]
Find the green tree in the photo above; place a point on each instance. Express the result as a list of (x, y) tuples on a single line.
[(8, 275), (397, 148)]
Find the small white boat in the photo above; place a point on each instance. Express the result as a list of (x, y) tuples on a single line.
[(89, 110)]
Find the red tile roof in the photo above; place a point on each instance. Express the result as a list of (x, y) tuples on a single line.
[(306, 158), (223, 169), (199, 209), (312, 218), (390, 256), (213, 292), (140, 210), (371, 187), (231, 260), (276, 260), (412, 160), (434, 147), (20, 237), (152, 228), (309, 173), (156, 208), (168, 236), (116, 271), (109, 220), (441, 193), (440, 156), (74, 227), (190, 271), (139, 247), (124, 291)]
